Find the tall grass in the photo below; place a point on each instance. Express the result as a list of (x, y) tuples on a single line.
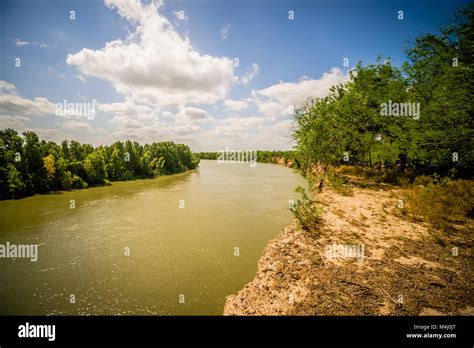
[(442, 202)]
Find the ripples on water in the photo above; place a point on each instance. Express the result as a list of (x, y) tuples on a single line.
[(173, 251)]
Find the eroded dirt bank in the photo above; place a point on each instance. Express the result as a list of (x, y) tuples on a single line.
[(405, 271)]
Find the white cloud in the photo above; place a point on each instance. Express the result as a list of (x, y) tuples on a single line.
[(193, 113), (281, 128), (48, 134), (77, 126), (8, 121), (236, 105), (167, 114), (225, 31), (130, 109), (187, 129), (19, 43), (247, 133), (303, 78), (125, 122), (240, 123), (278, 100), (272, 108), (13, 104), (264, 132), (236, 126), (7, 88), (155, 65)]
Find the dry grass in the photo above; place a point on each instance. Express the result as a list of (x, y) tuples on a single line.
[(389, 176), (445, 205), (441, 202)]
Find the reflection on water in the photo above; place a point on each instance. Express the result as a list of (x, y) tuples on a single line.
[(144, 247)]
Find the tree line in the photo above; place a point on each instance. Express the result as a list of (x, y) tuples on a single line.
[(417, 118), (29, 166), (262, 156)]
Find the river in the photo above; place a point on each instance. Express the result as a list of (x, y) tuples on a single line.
[(174, 245)]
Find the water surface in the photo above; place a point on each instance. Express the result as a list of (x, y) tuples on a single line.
[(176, 253)]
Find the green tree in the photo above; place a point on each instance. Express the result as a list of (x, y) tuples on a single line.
[(349, 125), (16, 186), (95, 168), (50, 167), (28, 165)]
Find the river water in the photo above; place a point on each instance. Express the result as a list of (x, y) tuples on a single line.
[(175, 245)]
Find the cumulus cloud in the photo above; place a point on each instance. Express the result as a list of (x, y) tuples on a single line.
[(8, 121), (246, 133), (240, 123), (236, 105), (279, 99), (187, 129), (167, 114), (77, 126), (48, 134), (130, 109), (13, 104), (193, 113), (125, 122), (236, 126), (7, 88), (154, 64)]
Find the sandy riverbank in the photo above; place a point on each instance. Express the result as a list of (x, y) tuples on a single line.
[(404, 270)]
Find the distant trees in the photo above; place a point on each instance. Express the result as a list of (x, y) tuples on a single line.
[(262, 156), (95, 167), (418, 117), (207, 155), (277, 157), (28, 165)]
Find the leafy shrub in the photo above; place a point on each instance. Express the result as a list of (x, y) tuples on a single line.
[(78, 183), (306, 211)]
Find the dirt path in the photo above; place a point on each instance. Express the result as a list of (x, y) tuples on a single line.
[(404, 271)]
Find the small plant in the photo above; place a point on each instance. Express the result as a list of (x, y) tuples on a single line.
[(306, 211)]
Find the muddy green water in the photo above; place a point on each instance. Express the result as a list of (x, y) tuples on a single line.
[(177, 254)]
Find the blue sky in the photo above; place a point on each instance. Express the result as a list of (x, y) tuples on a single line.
[(174, 77)]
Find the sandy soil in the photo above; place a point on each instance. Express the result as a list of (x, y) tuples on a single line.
[(403, 271)]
